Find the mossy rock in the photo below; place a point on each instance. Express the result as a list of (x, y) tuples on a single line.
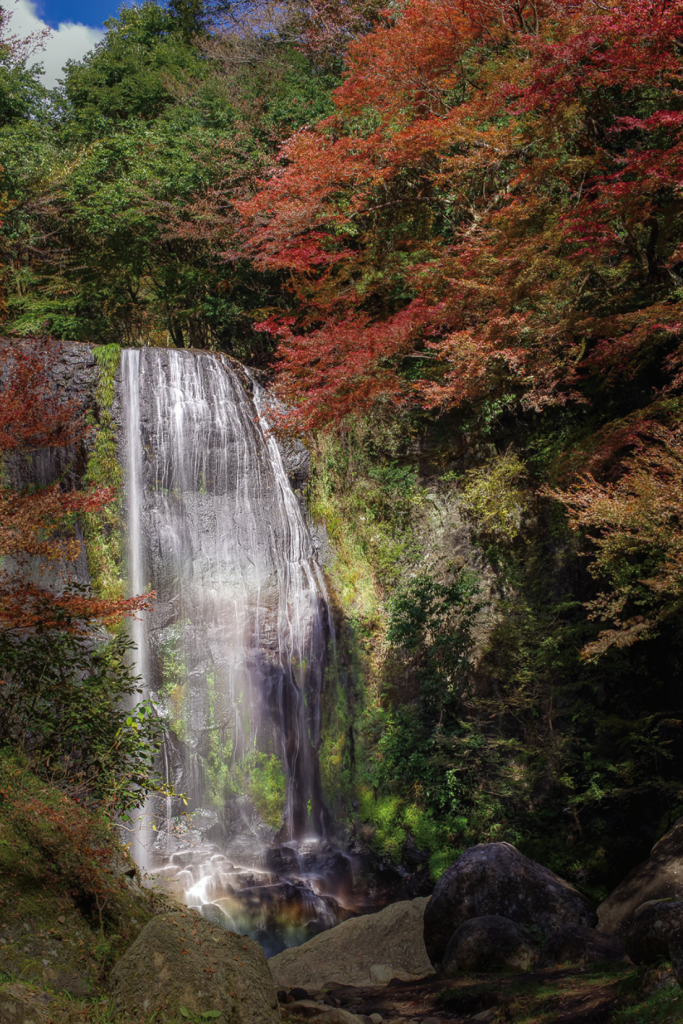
[(22, 1004), (180, 964)]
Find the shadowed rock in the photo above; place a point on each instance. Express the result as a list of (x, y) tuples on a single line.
[(488, 943), (656, 933), (495, 878), (577, 944), (660, 877)]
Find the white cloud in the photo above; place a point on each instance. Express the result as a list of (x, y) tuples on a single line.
[(68, 41)]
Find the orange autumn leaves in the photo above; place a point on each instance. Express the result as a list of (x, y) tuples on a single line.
[(37, 523)]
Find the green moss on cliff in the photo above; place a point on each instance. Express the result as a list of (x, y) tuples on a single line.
[(103, 528), (261, 776)]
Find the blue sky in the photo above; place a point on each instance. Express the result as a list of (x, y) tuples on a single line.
[(94, 12)]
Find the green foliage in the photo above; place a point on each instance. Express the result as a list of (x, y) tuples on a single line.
[(334, 756), (103, 527), (128, 73), (111, 233), (421, 744), (662, 1006), (21, 92), (174, 676), (62, 703), (392, 819), (492, 498), (513, 737), (196, 1018), (367, 500), (262, 777)]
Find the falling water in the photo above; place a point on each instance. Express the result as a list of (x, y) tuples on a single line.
[(235, 649), (140, 837)]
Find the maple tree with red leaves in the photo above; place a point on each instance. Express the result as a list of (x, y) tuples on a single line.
[(498, 192), (36, 522), (633, 528)]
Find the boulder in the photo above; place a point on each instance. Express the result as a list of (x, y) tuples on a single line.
[(495, 878), (21, 1004), (180, 960), (656, 933), (369, 950), (488, 943), (660, 877), (577, 944)]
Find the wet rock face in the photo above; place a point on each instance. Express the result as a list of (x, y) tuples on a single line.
[(180, 960), (488, 943), (577, 944), (369, 950), (659, 877), (496, 879)]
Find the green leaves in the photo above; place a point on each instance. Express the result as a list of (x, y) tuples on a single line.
[(62, 703)]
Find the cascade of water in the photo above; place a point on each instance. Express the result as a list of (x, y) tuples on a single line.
[(300, 573), (235, 648), (130, 374)]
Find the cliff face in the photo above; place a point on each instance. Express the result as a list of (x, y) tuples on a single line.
[(454, 706), (464, 711)]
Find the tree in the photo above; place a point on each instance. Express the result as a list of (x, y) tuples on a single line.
[(37, 520), (633, 526), (66, 705), (21, 92), (128, 76), (496, 194)]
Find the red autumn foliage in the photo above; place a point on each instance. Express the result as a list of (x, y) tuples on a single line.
[(503, 176), (36, 523)]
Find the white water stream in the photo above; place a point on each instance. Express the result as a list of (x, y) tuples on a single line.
[(235, 650)]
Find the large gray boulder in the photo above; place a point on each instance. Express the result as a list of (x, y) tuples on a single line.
[(660, 877), (495, 878), (369, 950), (489, 943), (180, 960)]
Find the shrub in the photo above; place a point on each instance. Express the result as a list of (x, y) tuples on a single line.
[(62, 704)]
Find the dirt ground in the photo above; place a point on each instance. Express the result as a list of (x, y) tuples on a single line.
[(617, 994)]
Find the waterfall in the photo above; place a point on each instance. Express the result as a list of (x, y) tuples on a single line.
[(140, 837), (235, 649)]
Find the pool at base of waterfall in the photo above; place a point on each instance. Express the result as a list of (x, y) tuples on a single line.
[(281, 895)]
